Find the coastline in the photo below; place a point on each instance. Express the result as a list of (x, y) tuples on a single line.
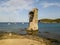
[(45, 38), (54, 38), (14, 39)]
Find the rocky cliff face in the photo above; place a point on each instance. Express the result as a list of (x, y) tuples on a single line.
[(33, 19)]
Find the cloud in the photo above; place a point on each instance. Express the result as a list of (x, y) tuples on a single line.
[(9, 9), (17, 4), (3, 1), (13, 5), (46, 4)]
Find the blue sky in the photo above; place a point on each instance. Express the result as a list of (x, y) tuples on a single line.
[(17, 10)]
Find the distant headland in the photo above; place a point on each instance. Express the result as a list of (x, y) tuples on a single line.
[(49, 20)]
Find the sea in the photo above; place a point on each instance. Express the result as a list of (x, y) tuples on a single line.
[(46, 30), (43, 27), (50, 30)]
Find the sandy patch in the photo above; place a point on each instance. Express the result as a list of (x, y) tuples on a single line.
[(20, 42)]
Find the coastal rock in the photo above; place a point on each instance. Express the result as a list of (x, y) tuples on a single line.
[(33, 20), (16, 39)]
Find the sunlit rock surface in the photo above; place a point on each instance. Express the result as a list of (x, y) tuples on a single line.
[(33, 20), (10, 38)]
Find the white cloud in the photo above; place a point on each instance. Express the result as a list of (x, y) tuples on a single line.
[(11, 8), (14, 5), (46, 4), (17, 4)]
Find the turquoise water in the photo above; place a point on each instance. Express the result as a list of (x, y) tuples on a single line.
[(54, 27)]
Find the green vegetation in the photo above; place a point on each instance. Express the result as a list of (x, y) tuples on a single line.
[(49, 20)]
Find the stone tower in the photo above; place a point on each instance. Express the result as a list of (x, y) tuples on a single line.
[(33, 20)]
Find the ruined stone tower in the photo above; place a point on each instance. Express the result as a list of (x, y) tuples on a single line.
[(33, 20)]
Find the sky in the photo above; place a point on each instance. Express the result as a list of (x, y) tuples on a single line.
[(18, 10)]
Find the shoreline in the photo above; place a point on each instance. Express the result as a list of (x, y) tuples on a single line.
[(54, 38), (46, 36), (23, 39)]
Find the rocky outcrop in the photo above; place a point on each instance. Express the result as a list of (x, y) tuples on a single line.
[(33, 20), (15, 39)]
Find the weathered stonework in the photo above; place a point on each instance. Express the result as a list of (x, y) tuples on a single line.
[(33, 20)]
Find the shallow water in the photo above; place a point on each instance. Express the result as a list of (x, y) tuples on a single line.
[(53, 28), (46, 30)]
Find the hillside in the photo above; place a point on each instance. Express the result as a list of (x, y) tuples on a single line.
[(49, 20)]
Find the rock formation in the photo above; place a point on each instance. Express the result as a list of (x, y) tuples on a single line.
[(33, 20)]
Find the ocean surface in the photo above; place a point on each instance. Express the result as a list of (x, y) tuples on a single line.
[(18, 27), (46, 30)]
